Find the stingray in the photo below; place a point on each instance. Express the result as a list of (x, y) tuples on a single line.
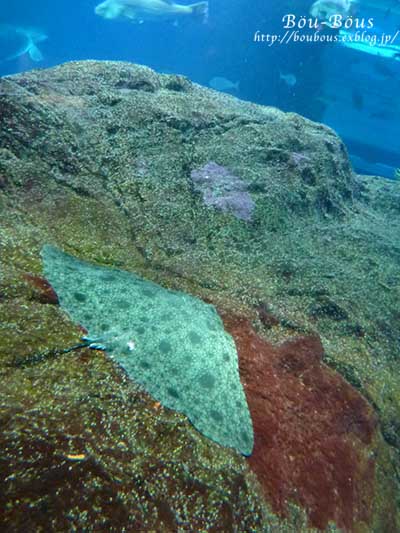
[(173, 344)]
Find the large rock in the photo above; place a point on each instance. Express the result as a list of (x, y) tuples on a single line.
[(244, 206)]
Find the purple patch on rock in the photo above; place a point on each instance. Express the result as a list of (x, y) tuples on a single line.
[(222, 190)]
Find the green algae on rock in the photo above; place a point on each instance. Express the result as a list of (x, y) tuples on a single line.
[(173, 344), (96, 157)]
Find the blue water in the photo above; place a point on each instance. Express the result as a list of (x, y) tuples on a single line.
[(354, 92)]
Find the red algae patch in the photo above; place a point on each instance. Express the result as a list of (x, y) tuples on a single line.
[(43, 291), (314, 433)]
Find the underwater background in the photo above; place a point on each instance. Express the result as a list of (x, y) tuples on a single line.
[(353, 91), (199, 274)]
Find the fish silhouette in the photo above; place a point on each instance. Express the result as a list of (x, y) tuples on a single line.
[(16, 41)]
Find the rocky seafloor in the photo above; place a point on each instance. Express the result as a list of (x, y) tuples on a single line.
[(253, 210)]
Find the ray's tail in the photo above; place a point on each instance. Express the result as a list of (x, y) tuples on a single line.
[(200, 10)]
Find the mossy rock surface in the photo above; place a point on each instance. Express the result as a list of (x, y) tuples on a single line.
[(97, 158)]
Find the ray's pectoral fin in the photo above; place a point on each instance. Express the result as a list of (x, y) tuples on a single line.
[(34, 53)]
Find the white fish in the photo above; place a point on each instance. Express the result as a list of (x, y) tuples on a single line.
[(16, 41), (289, 79), (324, 9), (223, 84), (143, 10)]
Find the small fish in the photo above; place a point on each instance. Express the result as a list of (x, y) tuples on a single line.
[(289, 79), (223, 84), (384, 114), (144, 10), (393, 8), (16, 41), (326, 99), (357, 100), (383, 70)]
